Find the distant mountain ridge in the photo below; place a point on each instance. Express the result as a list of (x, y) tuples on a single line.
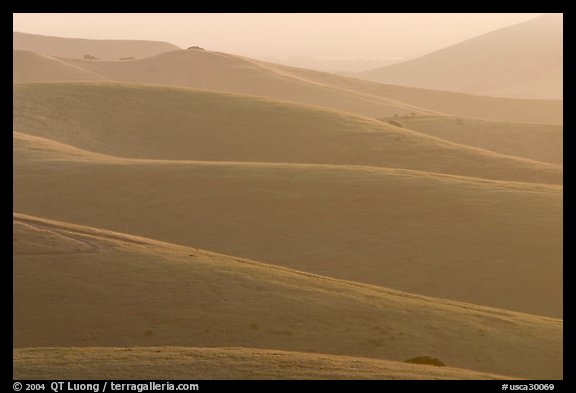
[(78, 47), (519, 61)]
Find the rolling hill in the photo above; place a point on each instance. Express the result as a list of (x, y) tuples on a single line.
[(32, 67), (78, 47), (150, 122), (351, 225), (86, 287), (539, 142), (438, 235), (446, 102), (524, 60), (228, 73), (172, 363)]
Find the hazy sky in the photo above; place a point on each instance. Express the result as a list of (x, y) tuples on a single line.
[(283, 35)]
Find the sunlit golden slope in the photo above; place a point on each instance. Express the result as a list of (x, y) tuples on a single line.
[(170, 123), (540, 142), (32, 67), (484, 242), (169, 363), (79, 286)]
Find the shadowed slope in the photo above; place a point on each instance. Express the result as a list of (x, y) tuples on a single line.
[(170, 123), (129, 291), (437, 235)]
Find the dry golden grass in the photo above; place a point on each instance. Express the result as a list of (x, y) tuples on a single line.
[(360, 209), (80, 286), (32, 67), (172, 363), (446, 102), (180, 124), (228, 73), (540, 142), (468, 239)]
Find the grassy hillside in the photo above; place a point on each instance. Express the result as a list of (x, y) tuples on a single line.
[(32, 67), (228, 73), (523, 60), (166, 363), (79, 286), (169, 123), (78, 47), (540, 142), (437, 235), (446, 102)]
